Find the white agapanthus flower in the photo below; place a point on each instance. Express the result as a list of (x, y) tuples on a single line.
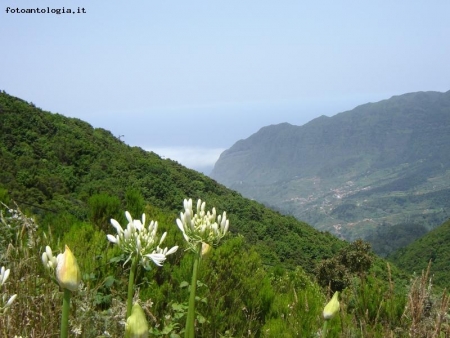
[(139, 240), (5, 303), (202, 227)]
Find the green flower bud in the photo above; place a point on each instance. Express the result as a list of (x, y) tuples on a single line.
[(136, 326), (332, 308), (67, 271), (206, 249)]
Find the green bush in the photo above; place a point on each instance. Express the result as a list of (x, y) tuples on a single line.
[(103, 207)]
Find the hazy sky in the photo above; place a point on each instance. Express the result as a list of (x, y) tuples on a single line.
[(189, 78)]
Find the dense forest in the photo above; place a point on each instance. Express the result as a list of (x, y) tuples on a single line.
[(51, 163), (61, 183)]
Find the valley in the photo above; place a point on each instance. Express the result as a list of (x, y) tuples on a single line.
[(378, 165)]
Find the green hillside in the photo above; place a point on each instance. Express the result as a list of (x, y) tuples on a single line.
[(271, 277), (51, 162), (381, 163), (433, 246)]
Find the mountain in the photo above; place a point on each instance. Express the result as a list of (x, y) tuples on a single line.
[(381, 163), (52, 165)]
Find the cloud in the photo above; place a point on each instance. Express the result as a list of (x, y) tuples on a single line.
[(198, 158)]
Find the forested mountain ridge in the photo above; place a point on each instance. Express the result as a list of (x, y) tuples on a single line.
[(380, 163), (57, 163)]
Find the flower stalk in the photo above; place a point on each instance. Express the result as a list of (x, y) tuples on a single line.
[(131, 279), (68, 276), (201, 231), (330, 310), (140, 242), (65, 314), (189, 329)]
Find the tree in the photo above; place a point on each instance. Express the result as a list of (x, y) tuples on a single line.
[(336, 272)]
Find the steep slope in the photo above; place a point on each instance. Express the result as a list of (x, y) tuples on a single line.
[(51, 163), (433, 246), (380, 163)]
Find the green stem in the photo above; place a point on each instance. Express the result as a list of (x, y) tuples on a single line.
[(130, 295), (189, 330), (324, 329), (65, 314)]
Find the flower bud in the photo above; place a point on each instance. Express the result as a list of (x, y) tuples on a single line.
[(45, 259), (206, 249), (187, 204), (4, 274), (137, 326), (10, 301), (171, 250), (49, 252), (67, 271), (163, 237), (111, 238), (128, 216), (332, 308)]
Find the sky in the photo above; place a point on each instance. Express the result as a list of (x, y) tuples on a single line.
[(187, 79)]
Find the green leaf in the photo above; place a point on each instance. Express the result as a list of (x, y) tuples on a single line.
[(179, 307), (201, 319), (109, 281), (116, 259)]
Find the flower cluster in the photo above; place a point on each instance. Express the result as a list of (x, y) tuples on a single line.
[(201, 227), (5, 304), (48, 259), (139, 240)]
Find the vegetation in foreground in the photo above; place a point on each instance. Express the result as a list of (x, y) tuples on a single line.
[(236, 295)]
